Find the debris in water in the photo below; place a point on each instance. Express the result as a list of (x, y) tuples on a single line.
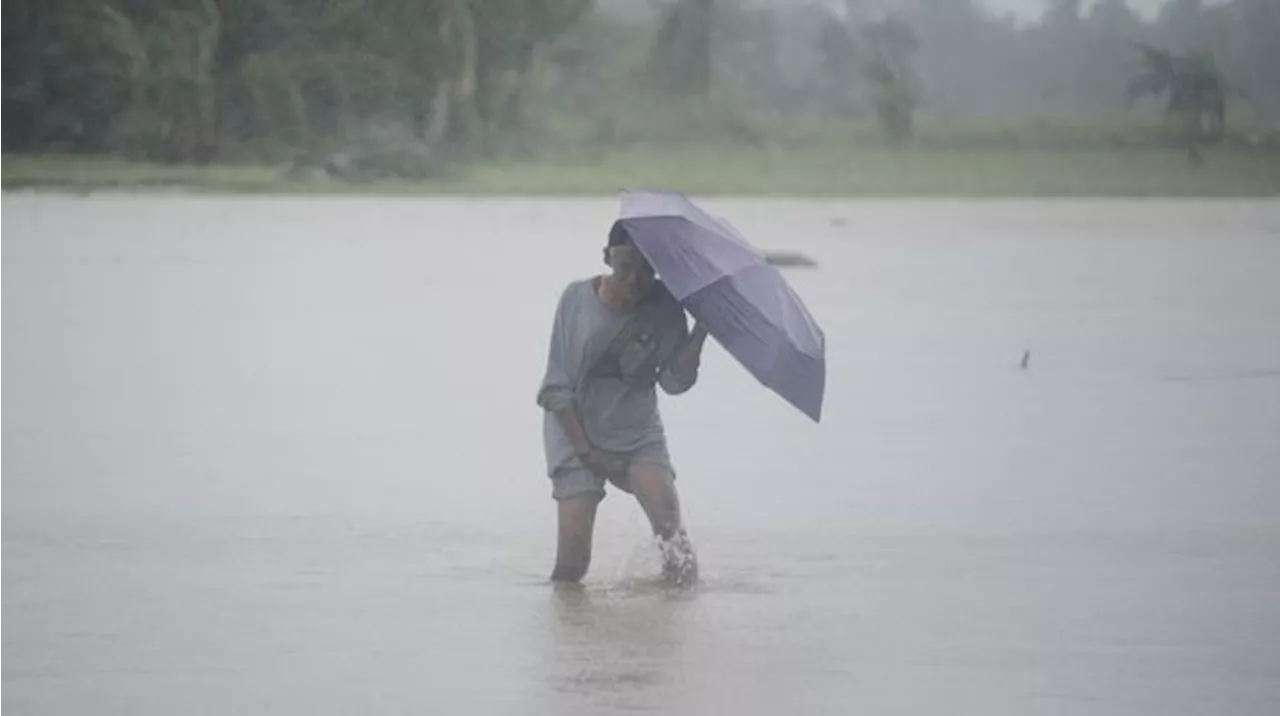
[(789, 258), (1026, 358)]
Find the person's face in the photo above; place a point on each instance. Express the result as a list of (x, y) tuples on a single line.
[(632, 272)]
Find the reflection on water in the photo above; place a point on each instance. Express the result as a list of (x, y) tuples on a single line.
[(282, 455), (610, 644)]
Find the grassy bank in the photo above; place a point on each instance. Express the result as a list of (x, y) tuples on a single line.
[(830, 169)]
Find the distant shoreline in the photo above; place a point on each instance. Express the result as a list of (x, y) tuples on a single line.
[(816, 171)]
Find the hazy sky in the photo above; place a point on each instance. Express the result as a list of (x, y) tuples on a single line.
[(1029, 9)]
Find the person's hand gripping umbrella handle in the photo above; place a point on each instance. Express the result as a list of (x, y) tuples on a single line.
[(690, 354), (699, 332)]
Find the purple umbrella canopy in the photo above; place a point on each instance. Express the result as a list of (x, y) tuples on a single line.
[(730, 287)]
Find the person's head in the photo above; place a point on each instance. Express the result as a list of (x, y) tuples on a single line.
[(632, 273)]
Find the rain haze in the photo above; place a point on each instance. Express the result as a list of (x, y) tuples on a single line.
[(688, 356), (1035, 8)]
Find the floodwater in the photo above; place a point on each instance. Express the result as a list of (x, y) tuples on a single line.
[(281, 455)]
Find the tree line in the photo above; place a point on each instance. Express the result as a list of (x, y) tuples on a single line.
[(183, 79), (203, 80), (963, 62)]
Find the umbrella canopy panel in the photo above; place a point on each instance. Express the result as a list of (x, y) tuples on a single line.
[(729, 286), (777, 344)]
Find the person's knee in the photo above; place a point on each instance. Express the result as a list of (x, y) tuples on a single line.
[(656, 491)]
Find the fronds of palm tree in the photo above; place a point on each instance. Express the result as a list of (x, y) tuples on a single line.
[(1196, 90)]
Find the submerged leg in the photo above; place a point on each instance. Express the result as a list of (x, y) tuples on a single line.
[(655, 489), (577, 519)]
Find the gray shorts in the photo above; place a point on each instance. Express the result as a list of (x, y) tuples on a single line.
[(575, 480)]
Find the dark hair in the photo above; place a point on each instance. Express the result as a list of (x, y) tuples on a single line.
[(618, 235)]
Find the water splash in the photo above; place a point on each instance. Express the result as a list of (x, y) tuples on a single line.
[(655, 566)]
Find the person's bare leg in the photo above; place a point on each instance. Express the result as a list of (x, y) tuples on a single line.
[(655, 490), (577, 520)]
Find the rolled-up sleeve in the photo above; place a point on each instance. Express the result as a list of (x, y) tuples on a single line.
[(556, 391)]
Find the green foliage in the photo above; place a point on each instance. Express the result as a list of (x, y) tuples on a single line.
[(1196, 91), (832, 167), (195, 80), (891, 44), (165, 66), (412, 88), (680, 62)]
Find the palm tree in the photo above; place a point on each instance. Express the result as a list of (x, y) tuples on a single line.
[(1196, 90)]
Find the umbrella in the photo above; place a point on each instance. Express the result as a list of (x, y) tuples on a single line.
[(732, 288)]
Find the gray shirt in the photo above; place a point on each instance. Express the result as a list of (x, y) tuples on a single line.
[(606, 364)]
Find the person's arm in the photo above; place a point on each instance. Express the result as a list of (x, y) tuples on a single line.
[(679, 372), (568, 418), (556, 394)]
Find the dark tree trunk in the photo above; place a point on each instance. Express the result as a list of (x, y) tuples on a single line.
[(1191, 131)]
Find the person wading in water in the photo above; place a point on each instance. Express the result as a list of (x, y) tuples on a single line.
[(615, 338)]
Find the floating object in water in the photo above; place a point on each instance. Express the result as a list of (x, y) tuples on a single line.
[(789, 258), (1026, 358)]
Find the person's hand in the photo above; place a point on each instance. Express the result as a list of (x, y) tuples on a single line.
[(602, 464)]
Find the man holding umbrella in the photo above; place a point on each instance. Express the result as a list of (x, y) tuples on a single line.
[(615, 338)]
